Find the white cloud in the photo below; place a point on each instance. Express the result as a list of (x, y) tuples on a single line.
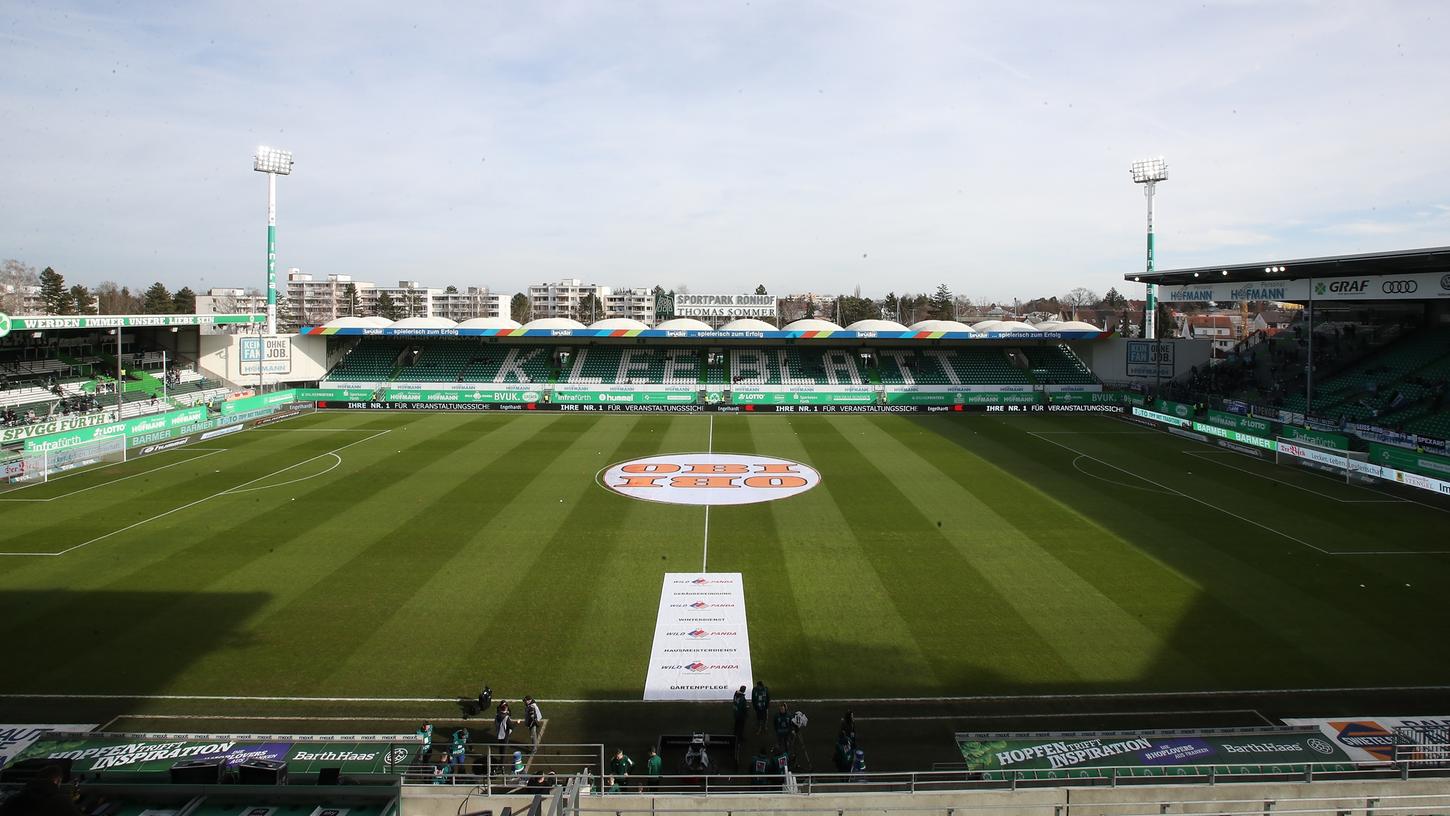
[(716, 145)]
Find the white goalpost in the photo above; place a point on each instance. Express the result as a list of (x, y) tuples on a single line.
[(38, 467), (1330, 461)]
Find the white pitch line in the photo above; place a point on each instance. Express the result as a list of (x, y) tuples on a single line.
[(930, 717), (705, 555), (1078, 468), (976, 698), (323, 430), (199, 501), (1184, 495), (337, 460), (210, 452), (1204, 456)]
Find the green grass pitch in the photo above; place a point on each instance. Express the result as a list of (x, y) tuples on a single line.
[(400, 555)]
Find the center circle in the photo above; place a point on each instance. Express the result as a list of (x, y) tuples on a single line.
[(709, 478)]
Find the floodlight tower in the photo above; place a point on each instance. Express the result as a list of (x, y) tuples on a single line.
[(274, 162), (1148, 172)]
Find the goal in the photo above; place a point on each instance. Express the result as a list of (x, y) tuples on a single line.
[(1298, 453), (38, 467)]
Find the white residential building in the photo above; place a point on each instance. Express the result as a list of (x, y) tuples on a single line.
[(636, 304), (311, 302), (473, 302), (565, 298)]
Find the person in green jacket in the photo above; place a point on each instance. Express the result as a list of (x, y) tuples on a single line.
[(620, 765), (760, 699), (741, 708), (654, 768)]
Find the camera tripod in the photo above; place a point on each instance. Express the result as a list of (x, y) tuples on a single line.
[(805, 754)]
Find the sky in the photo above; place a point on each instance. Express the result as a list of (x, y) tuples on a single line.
[(810, 146)]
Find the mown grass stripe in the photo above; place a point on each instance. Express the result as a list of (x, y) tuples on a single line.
[(958, 618)]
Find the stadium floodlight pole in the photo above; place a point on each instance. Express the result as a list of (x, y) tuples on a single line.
[(1148, 172), (274, 162)]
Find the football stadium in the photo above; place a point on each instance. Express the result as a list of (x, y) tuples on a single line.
[(950, 532), (831, 508)]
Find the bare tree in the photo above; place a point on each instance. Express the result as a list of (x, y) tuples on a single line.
[(1079, 298)]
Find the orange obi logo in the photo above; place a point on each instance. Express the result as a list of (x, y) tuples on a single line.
[(710, 478)]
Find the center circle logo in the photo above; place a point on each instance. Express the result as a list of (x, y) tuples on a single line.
[(709, 478)]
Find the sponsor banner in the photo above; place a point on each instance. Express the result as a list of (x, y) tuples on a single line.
[(1234, 436), (148, 424), (164, 446), (314, 394), (972, 397), (222, 431), (374, 405), (566, 395), (1259, 452), (454, 395), (1164, 418), (130, 753), (1367, 739), (709, 478), (701, 647), (1157, 753), (16, 738), (238, 406), (1374, 433), (129, 321), (1425, 464), (758, 397), (1323, 439), (1150, 359), (1095, 397), (53, 426), (1400, 477), (1413, 286), (1239, 422), (264, 355), (1182, 410), (725, 306)]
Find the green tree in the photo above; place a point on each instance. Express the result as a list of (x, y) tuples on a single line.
[(450, 290), (850, 308), (156, 300), (890, 305), (349, 300), (82, 302), (184, 301), (760, 290), (1114, 300), (54, 297), (810, 308), (942, 303), (590, 309), (386, 307), (519, 307)]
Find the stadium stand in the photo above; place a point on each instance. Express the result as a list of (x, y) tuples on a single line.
[(1057, 365), (371, 360), (1403, 382)]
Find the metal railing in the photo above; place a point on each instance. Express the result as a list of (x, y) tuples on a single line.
[(583, 764), (502, 768)]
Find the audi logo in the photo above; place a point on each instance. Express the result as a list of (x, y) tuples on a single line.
[(1400, 287)]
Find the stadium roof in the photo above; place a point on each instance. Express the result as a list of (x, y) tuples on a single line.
[(1398, 262)]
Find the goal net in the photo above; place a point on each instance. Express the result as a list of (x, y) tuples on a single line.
[(1298, 453), (37, 467)]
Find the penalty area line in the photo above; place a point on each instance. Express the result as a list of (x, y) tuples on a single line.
[(1182, 494), (230, 490), (209, 452)]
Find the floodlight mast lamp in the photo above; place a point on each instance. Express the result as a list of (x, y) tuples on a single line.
[(274, 162), (1148, 172)]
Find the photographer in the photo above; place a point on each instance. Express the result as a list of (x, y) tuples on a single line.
[(784, 728)]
